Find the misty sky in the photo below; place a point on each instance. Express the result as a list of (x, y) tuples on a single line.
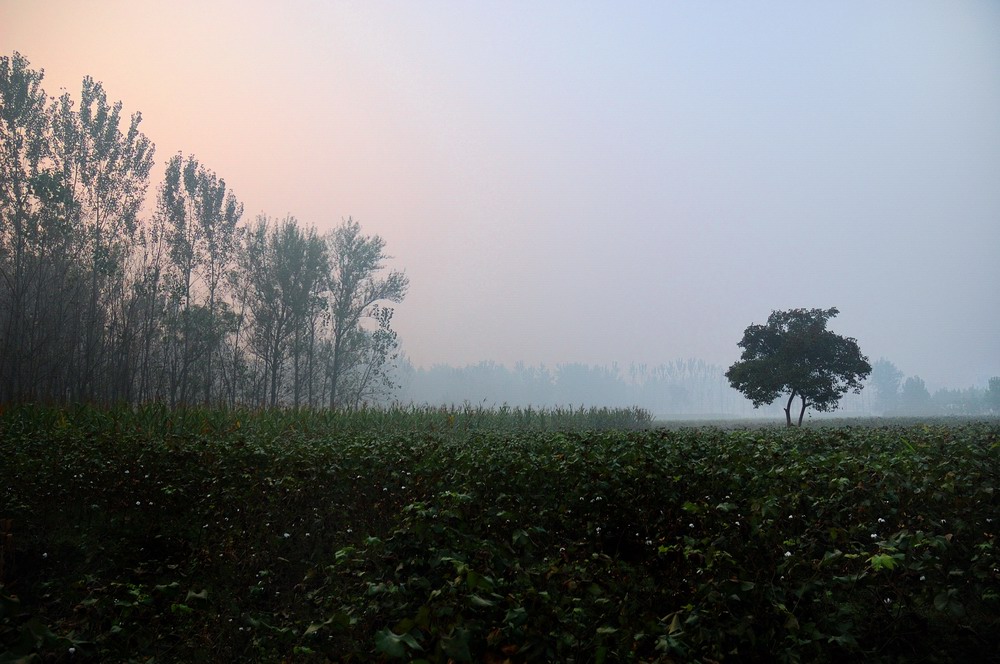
[(595, 182)]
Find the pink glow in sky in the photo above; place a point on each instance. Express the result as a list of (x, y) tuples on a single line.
[(577, 181)]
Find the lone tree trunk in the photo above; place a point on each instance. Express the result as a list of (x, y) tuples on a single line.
[(788, 409)]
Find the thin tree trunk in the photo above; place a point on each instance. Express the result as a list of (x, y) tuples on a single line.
[(275, 365), (334, 373), (788, 409)]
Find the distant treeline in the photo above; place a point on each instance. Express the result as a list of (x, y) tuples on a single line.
[(681, 388), (104, 301), (892, 395), (684, 387)]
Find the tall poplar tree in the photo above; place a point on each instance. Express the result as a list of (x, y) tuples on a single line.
[(106, 172), (284, 267), (24, 148), (356, 284), (199, 217)]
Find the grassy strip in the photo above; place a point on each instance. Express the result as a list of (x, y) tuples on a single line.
[(211, 536)]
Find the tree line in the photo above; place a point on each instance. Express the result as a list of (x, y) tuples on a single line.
[(689, 388), (685, 388), (894, 395), (188, 303)]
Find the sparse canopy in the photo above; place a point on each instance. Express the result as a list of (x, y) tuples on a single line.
[(795, 353)]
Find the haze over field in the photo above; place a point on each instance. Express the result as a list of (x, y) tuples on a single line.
[(576, 182)]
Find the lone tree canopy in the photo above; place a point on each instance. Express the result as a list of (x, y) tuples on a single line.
[(795, 353)]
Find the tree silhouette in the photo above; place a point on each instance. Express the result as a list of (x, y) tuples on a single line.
[(795, 353)]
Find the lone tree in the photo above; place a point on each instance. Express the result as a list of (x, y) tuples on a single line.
[(795, 353)]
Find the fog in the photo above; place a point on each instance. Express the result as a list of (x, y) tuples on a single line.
[(585, 184)]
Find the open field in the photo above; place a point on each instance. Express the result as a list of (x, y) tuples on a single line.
[(479, 535), (774, 420)]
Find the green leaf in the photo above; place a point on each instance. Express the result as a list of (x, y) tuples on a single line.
[(947, 602), (338, 619), (476, 580), (476, 600), (456, 645), (203, 596), (882, 561), (516, 616), (394, 645)]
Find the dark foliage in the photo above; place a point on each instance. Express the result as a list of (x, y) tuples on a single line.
[(215, 536)]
